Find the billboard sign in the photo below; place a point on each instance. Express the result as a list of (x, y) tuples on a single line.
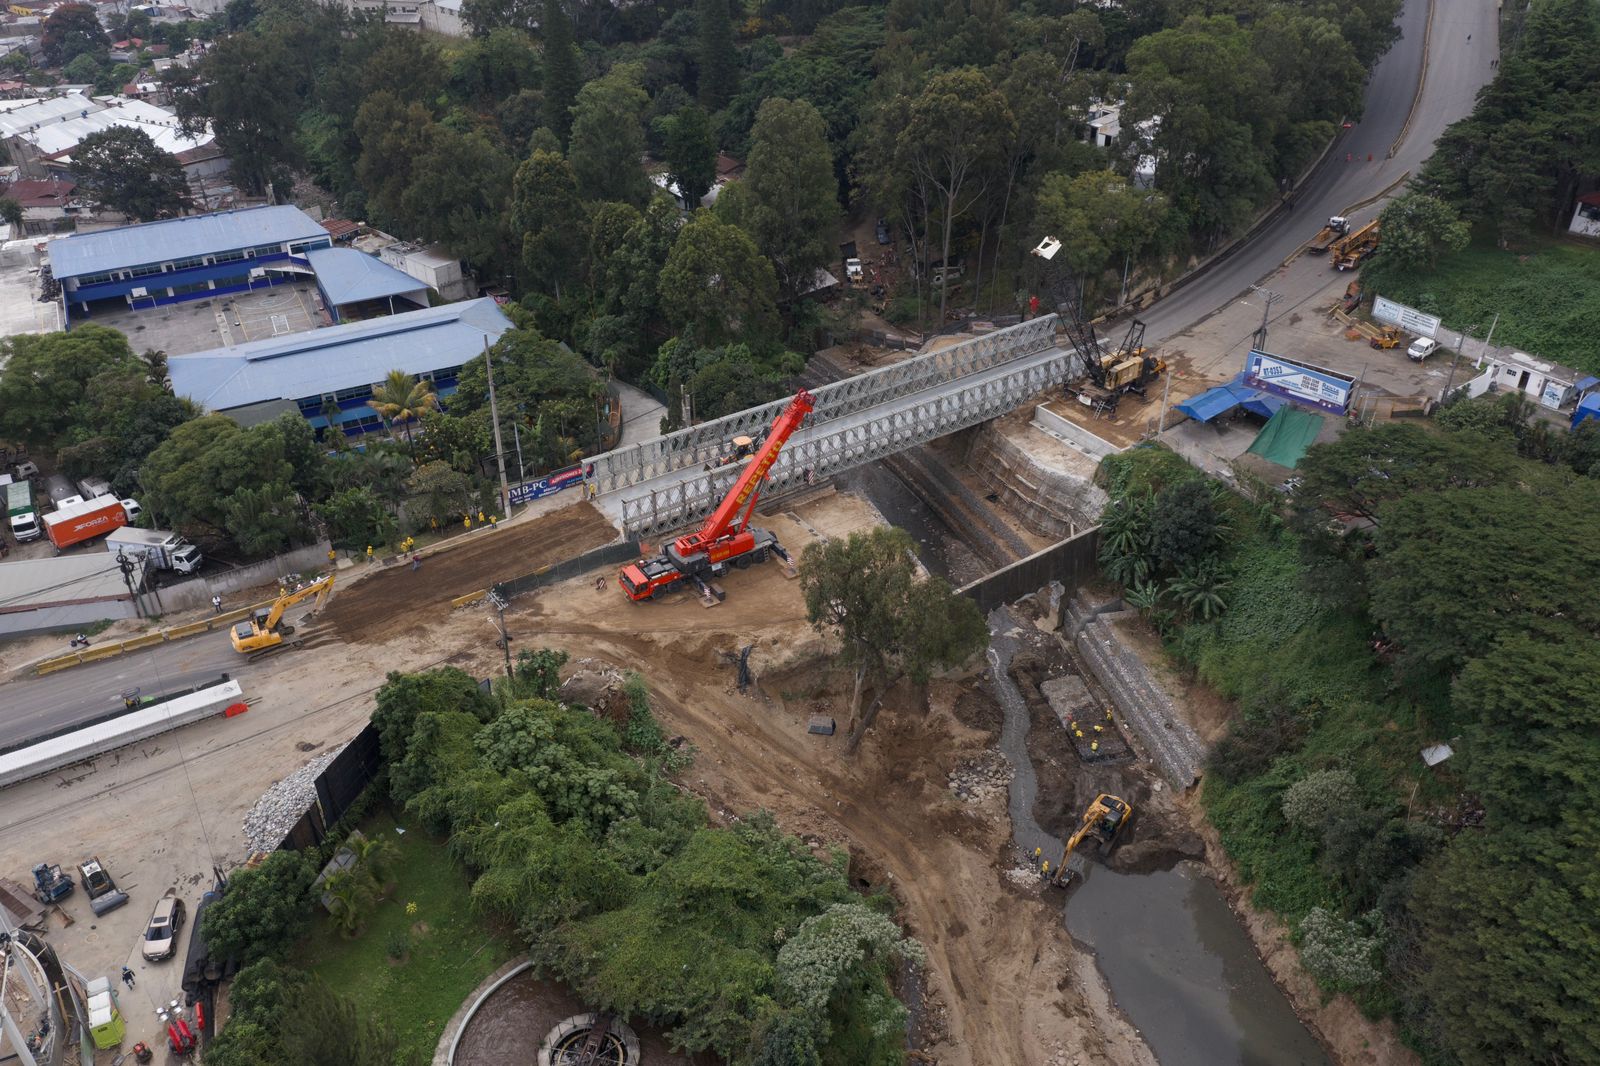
[(547, 485), (1304, 383), (1407, 318)]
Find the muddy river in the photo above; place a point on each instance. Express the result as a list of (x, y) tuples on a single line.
[(1177, 961)]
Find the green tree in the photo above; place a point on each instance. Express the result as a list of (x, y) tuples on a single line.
[(42, 392), (124, 170), (1417, 230), (787, 199), (263, 520), (548, 217), (457, 194), (401, 399), (394, 137), (84, 70), (191, 478), (955, 129), (691, 154), (238, 89), (562, 78), (10, 211), (716, 56), (607, 149), (864, 590), (356, 517), (1339, 953), (1319, 797), (72, 30), (1184, 524), (1102, 220), (263, 911), (445, 494), (716, 286), (349, 898)]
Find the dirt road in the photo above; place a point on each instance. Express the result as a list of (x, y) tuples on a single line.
[(398, 601), (1006, 983)]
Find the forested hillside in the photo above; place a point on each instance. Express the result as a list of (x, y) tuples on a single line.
[(963, 125)]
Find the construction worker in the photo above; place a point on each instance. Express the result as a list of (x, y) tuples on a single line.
[(493, 520), (333, 557), (466, 522), (216, 604), (1037, 853), (127, 977), (369, 553), (1045, 871), (433, 523), (480, 516)]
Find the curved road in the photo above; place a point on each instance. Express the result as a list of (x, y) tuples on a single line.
[(1457, 69)]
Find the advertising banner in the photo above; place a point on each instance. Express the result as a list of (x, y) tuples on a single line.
[(1407, 318), (550, 483), (1304, 383)]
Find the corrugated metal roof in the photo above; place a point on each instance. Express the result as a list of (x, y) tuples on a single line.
[(341, 357), (56, 126), (348, 276), (180, 238), (35, 583)]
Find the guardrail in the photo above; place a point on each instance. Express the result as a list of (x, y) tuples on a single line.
[(112, 649), (699, 444)]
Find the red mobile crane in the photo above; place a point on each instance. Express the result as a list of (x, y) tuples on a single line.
[(725, 537)]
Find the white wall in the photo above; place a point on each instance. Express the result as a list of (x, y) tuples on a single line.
[(197, 592)]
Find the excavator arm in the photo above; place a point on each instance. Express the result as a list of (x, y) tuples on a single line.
[(318, 588)]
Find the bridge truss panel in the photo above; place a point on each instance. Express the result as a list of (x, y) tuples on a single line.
[(708, 441), (828, 450)]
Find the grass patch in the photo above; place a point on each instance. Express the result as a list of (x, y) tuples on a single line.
[(1548, 299), (449, 950)]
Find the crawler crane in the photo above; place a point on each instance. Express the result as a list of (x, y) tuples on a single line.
[(726, 538)]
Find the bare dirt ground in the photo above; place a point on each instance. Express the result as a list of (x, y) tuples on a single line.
[(398, 601)]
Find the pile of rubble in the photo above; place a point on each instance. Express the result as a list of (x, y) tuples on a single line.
[(280, 807), (981, 778)]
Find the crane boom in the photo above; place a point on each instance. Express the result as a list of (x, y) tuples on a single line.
[(724, 539), (749, 484)]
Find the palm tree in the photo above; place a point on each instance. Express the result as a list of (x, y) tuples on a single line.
[(347, 898), (375, 858), (402, 398), (1199, 589)]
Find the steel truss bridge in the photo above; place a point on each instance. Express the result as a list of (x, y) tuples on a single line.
[(660, 485)]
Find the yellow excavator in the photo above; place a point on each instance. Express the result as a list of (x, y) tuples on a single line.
[(264, 630), (1103, 823)]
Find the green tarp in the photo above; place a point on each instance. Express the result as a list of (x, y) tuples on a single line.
[(1286, 436)]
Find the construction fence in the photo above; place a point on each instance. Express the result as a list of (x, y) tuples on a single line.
[(606, 555), (1071, 562), (338, 788)]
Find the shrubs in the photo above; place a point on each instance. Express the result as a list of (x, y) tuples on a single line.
[(1315, 800), (1339, 953), (263, 911)]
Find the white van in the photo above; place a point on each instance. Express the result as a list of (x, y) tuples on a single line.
[(1421, 348)]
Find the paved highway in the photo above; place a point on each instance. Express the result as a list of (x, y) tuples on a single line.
[(1457, 69)]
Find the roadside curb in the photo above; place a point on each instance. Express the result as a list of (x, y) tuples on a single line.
[(1422, 80), (144, 640)]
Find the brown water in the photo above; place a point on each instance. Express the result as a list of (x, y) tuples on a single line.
[(510, 1024), (1184, 971)]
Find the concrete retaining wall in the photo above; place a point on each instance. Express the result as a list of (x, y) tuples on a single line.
[(1048, 501), (1070, 562), (197, 592), (1074, 434)]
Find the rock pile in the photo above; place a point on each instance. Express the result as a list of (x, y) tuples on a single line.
[(981, 778), (280, 806)]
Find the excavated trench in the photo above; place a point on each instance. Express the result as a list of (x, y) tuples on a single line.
[(1174, 956)]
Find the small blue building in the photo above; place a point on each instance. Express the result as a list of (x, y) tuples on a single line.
[(186, 258), (317, 371)]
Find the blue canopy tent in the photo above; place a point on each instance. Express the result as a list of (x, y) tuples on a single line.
[(1219, 401), (1588, 407)]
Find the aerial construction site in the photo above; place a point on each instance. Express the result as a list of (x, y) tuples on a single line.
[(1004, 806)]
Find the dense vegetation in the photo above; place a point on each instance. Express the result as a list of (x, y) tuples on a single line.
[(1506, 179), (99, 409), (519, 148), (1429, 586)]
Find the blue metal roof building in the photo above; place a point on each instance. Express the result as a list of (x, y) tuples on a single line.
[(183, 258), (348, 278), (341, 363)]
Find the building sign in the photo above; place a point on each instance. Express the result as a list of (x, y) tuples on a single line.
[(1407, 318), (548, 485), (1300, 382)]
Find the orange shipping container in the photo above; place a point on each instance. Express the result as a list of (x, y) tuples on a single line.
[(78, 522)]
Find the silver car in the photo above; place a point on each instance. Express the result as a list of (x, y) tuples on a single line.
[(161, 935)]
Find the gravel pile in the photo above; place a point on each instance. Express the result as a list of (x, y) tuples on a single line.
[(281, 806), (984, 777)]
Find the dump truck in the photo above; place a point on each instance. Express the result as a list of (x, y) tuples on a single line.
[(1103, 823), (1348, 252), (1337, 227), (84, 520), (20, 513), (164, 550)]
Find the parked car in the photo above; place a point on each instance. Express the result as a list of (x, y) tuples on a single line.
[(161, 935), (1421, 348), (883, 231)]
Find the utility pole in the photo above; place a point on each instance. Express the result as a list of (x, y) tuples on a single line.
[(499, 604), (1271, 298), (125, 564), (516, 435), (499, 450), (1166, 388)]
